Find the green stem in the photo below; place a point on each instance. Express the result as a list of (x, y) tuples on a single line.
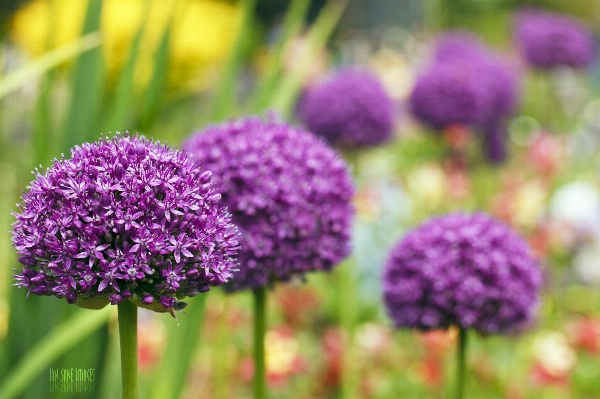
[(260, 301), (129, 355), (461, 362), (348, 319)]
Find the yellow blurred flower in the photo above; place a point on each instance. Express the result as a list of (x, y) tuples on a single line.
[(529, 203), (203, 34), (281, 351), (428, 185)]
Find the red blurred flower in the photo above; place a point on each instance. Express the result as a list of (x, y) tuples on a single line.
[(151, 343), (457, 136), (541, 376), (297, 303), (431, 371), (585, 333), (545, 154), (333, 344), (458, 178)]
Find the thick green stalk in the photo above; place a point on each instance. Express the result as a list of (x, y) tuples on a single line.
[(129, 355), (260, 300), (348, 306), (461, 363)]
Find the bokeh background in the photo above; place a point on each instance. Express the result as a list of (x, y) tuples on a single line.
[(71, 70)]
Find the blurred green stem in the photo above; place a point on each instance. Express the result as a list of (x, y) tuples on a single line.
[(348, 316), (461, 363), (129, 355), (260, 301)]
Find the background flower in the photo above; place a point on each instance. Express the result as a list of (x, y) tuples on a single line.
[(467, 84), (287, 191), (350, 108), (549, 40), (124, 218), (450, 93), (465, 270)]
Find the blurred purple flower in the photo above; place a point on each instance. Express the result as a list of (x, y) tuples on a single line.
[(287, 191), (548, 40), (124, 218), (459, 44), (451, 93), (460, 269), (350, 108), (467, 84)]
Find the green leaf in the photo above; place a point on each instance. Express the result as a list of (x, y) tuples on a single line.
[(56, 343), (52, 59), (292, 24), (182, 341), (153, 94), (86, 88), (121, 102), (289, 87), (225, 101)]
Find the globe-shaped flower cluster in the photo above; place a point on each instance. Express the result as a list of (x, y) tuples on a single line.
[(450, 93), (467, 84), (548, 40), (468, 270), (124, 219), (458, 44), (351, 108), (288, 192)]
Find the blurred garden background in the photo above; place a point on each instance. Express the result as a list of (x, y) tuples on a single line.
[(72, 70)]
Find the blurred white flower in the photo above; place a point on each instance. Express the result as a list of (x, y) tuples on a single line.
[(586, 263), (552, 350), (576, 205)]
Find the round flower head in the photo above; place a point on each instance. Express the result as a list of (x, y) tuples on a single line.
[(548, 40), (123, 219), (287, 191), (468, 85), (450, 93), (351, 108), (459, 45), (460, 269)]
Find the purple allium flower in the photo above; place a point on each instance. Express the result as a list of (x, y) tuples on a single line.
[(467, 84), (350, 108), (124, 218), (468, 270), (459, 45), (451, 93), (548, 40), (287, 191)]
